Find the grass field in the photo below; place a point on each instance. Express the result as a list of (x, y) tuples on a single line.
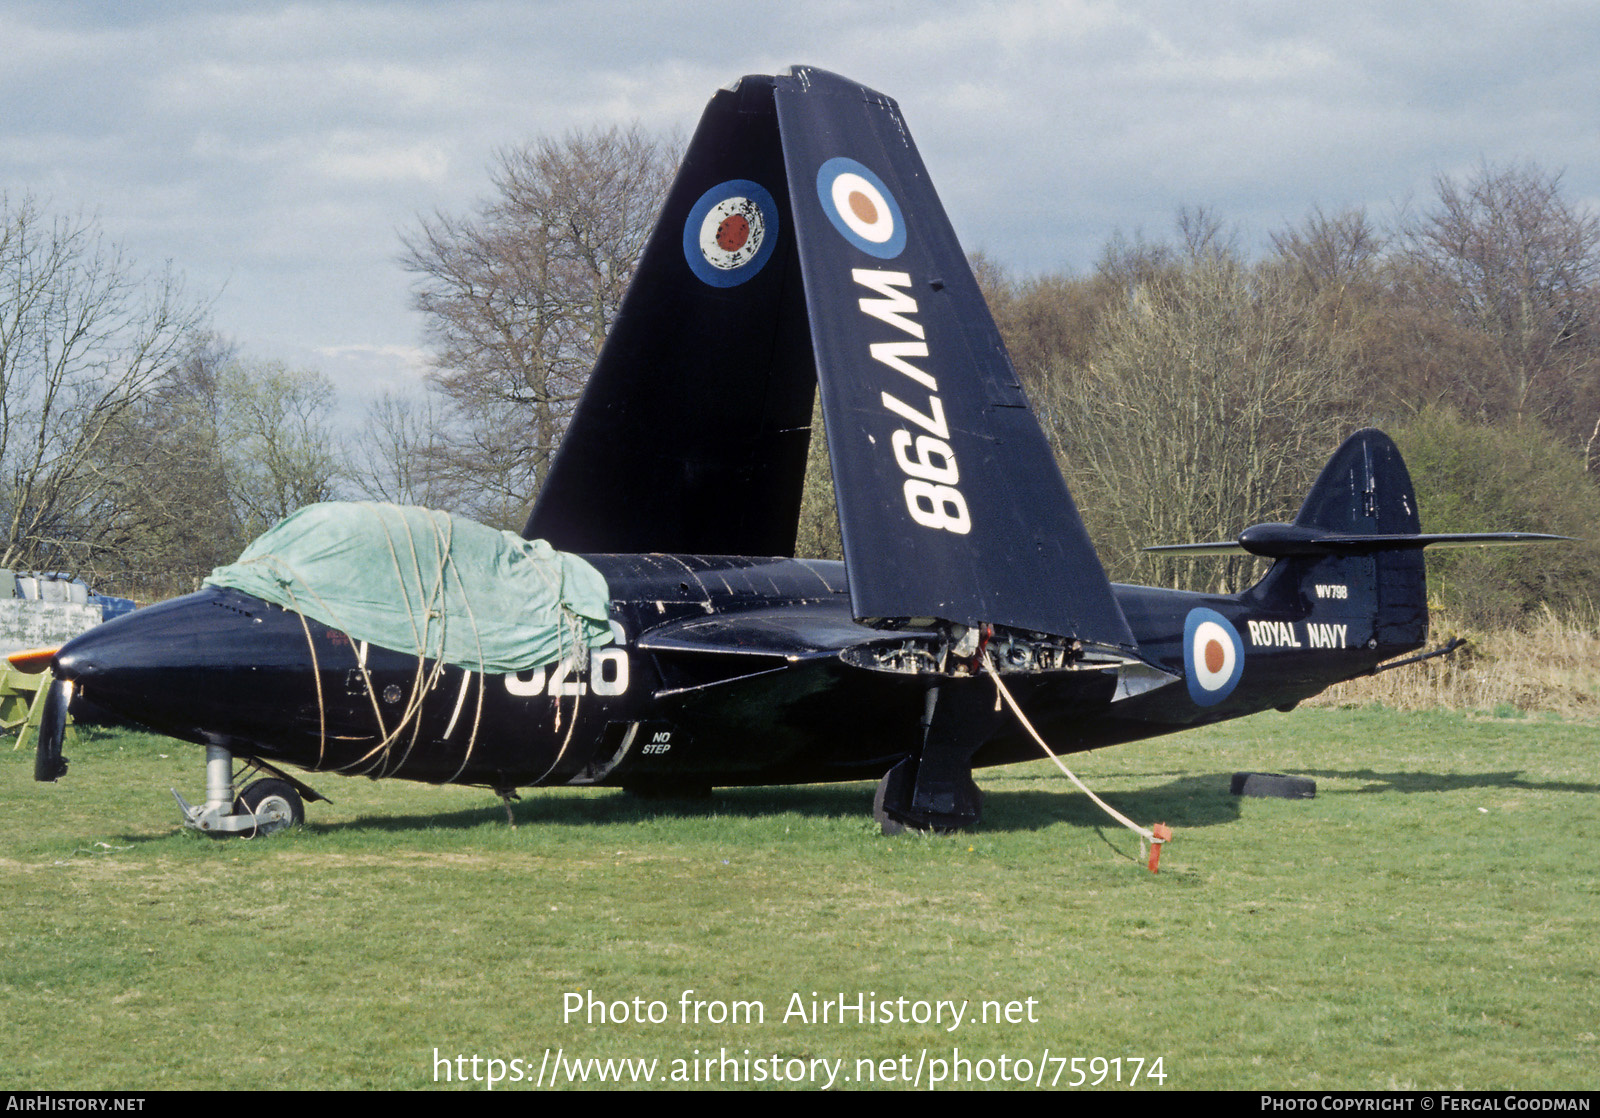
[(1431, 919)]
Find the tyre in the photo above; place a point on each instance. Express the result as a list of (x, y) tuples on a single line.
[(886, 824), (275, 804), (1276, 785)]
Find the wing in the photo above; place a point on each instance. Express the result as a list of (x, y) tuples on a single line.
[(691, 434), (950, 501)]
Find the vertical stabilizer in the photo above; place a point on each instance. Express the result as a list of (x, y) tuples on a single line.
[(803, 244), (1364, 490)]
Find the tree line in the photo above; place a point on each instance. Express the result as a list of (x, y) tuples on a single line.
[(1191, 390), (136, 448), (1189, 387)]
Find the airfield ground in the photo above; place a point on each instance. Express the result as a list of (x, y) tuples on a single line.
[(1430, 919)]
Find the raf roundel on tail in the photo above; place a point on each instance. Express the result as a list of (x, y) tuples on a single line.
[(731, 233), (666, 637), (861, 208)]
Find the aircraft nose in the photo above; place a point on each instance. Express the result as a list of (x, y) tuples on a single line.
[(84, 659), (171, 635), (184, 663)]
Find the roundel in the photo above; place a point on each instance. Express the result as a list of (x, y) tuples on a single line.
[(730, 233), (1213, 656), (861, 208)]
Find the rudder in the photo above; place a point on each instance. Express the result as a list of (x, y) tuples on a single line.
[(951, 504)]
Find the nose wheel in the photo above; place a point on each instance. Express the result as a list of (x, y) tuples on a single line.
[(273, 803), (267, 805)]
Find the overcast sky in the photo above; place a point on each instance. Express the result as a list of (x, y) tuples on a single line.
[(274, 152)]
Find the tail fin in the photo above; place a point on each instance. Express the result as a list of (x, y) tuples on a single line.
[(1365, 489), (1363, 493), (1354, 552), (951, 505)]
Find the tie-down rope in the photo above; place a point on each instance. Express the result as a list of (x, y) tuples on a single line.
[(1156, 836)]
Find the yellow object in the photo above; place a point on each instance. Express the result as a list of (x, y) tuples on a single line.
[(22, 695)]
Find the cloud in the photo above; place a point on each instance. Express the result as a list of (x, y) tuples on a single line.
[(282, 147), (413, 358)]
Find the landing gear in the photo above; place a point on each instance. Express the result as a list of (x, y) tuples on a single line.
[(910, 797), (932, 789), (506, 796), (267, 805)]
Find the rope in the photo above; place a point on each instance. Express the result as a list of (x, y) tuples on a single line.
[(477, 640), (426, 617), (421, 685), (1154, 836)]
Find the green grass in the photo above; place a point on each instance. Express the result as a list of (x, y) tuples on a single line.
[(1429, 920)]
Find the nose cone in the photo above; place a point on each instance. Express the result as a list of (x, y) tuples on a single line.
[(195, 667), (167, 637), (145, 649)]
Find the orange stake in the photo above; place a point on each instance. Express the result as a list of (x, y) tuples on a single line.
[(1162, 834)]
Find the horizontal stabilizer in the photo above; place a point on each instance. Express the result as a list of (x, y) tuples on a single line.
[(1363, 503), (1278, 541)]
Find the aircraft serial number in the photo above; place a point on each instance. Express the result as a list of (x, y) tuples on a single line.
[(927, 460)]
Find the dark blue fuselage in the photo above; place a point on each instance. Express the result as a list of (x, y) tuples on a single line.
[(724, 671)]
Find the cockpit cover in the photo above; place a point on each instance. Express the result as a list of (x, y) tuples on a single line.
[(426, 582)]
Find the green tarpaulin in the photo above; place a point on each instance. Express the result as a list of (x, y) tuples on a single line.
[(425, 582)]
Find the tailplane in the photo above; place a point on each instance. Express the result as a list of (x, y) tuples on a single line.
[(1353, 555)]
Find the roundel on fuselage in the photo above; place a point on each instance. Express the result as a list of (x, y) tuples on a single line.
[(730, 233), (861, 207), (1213, 656)]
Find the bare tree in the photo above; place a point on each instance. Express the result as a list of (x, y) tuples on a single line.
[(168, 519), (817, 534), (277, 449), (400, 455), (1505, 255), (84, 338), (1211, 400), (1333, 253), (520, 295), (1047, 321), (1205, 234), (219, 450)]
